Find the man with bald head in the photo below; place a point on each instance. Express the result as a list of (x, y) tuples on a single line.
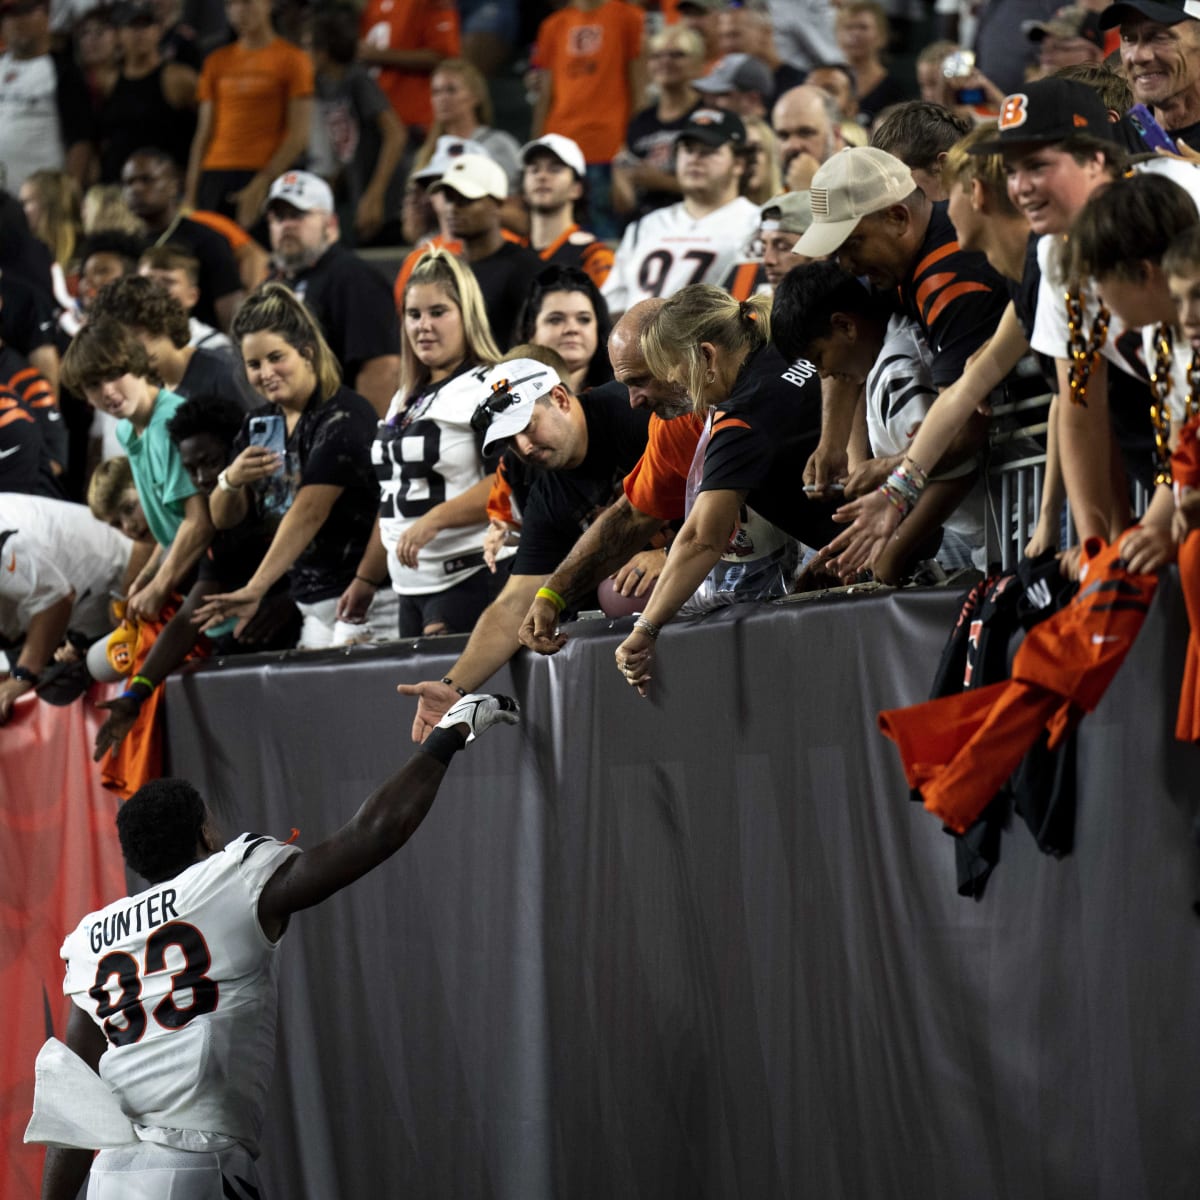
[(805, 120), (1160, 53), (655, 492)]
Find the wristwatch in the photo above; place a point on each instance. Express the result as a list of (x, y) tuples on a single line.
[(224, 484), (25, 675)]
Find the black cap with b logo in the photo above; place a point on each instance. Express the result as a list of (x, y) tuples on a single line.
[(1048, 111)]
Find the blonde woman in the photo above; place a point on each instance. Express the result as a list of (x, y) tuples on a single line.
[(52, 207), (462, 108), (433, 475), (302, 460), (104, 209), (763, 421), (763, 178)]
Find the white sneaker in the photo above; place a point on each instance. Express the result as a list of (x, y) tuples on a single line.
[(479, 711)]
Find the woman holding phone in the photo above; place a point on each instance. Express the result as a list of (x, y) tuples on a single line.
[(434, 479), (303, 461)]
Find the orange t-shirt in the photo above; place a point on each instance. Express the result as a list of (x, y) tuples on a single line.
[(410, 25), (250, 91), (657, 485), (588, 56)]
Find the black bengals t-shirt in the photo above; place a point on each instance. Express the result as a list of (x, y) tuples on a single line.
[(562, 504), (761, 439)]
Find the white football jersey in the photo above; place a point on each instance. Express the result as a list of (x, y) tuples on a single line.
[(181, 981), (54, 548), (900, 391), (668, 249), (422, 456)]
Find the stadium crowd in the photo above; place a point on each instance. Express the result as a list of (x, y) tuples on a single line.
[(300, 347), (341, 359)]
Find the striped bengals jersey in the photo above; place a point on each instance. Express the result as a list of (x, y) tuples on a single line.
[(37, 397), (954, 295), (575, 247)]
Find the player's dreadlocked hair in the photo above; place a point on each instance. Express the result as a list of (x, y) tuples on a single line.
[(159, 828)]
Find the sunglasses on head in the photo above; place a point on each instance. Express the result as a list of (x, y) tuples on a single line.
[(500, 399)]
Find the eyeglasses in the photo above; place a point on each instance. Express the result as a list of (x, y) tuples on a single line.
[(674, 55)]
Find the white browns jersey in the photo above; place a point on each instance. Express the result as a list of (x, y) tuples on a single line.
[(181, 981), (423, 455), (668, 249)]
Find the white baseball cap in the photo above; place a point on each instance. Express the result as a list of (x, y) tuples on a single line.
[(445, 151), (302, 190), (854, 183), (512, 388), (474, 176), (563, 148)]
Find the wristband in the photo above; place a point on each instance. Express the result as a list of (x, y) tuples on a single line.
[(224, 484), (25, 675), (443, 744), (368, 582), (648, 628), (450, 683), (545, 593)]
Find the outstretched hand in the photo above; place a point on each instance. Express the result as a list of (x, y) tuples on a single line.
[(873, 520), (434, 701), (122, 714)]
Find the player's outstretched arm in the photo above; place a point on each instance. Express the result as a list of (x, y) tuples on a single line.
[(385, 821), (65, 1170)]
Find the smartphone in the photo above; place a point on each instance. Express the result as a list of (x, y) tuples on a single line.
[(268, 431), (1150, 131)]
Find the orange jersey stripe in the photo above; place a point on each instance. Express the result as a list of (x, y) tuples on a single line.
[(935, 256), (742, 287), (950, 294)]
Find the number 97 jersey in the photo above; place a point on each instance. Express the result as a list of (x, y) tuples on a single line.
[(180, 979), (668, 249)]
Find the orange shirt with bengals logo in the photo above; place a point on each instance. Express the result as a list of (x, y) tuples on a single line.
[(410, 25), (250, 91), (588, 55), (955, 296)]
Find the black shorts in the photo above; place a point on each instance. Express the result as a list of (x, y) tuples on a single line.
[(457, 608)]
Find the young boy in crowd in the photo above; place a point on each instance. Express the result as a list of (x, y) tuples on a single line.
[(179, 272), (108, 366), (1119, 239), (202, 430), (113, 498)]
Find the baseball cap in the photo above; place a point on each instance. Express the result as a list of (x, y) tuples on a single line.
[(302, 190), (513, 387), (713, 127), (789, 212), (445, 151), (854, 183), (474, 176), (1048, 110), (737, 73), (1169, 13), (1074, 21), (563, 148)]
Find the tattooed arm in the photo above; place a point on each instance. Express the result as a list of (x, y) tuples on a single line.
[(620, 531)]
